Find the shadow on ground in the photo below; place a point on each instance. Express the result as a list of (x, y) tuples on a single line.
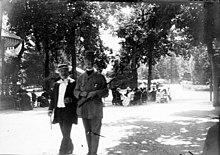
[(183, 136)]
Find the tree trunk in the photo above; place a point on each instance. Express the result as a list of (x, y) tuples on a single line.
[(212, 24), (37, 41), (211, 56), (134, 68), (47, 57), (149, 78), (73, 53), (211, 87), (215, 74), (1, 54), (171, 69), (46, 63), (216, 81)]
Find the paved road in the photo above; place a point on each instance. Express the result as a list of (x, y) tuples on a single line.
[(149, 129)]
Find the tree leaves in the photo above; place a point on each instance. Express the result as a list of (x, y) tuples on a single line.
[(60, 28)]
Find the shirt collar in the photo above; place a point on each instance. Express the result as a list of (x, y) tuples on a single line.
[(89, 69), (67, 80)]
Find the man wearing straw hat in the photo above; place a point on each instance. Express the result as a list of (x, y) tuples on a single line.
[(64, 105), (90, 87)]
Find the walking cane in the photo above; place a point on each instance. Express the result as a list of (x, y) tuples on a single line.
[(50, 123), (51, 115)]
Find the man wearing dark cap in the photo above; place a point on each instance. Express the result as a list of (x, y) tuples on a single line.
[(64, 105), (90, 87)]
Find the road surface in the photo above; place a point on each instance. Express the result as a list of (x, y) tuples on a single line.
[(173, 128)]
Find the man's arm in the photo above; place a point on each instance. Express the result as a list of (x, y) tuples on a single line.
[(52, 102), (78, 93), (102, 91)]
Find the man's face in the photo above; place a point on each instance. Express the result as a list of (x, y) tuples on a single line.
[(64, 73), (89, 63)]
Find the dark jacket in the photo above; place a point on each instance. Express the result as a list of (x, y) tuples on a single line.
[(95, 82), (71, 107)]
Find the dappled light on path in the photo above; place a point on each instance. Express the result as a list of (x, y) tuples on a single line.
[(171, 128), (174, 140)]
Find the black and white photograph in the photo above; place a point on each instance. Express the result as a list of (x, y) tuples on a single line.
[(109, 77)]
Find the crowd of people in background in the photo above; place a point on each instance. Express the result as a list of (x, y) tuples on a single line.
[(25, 100), (138, 96)]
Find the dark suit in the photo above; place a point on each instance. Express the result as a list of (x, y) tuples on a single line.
[(65, 116), (92, 111)]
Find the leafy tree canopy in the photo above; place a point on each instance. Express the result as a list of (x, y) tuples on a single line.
[(60, 28)]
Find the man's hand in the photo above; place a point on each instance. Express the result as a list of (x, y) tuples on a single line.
[(81, 101), (91, 94), (83, 94), (50, 112), (67, 100)]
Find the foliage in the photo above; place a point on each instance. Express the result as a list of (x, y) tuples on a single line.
[(169, 68), (61, 31), (64, 30), (148, 28), (200, 21), (172, 68), (149, 33), (192, 15), (11, 76), (201, 67), (176, 68), (33, 66)]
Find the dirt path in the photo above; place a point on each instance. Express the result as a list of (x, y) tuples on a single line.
[(150, 129)]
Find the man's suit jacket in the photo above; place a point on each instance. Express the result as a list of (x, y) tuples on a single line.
[(95, 82), (70, 107)]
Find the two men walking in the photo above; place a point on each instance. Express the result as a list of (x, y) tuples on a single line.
[(82, 98)]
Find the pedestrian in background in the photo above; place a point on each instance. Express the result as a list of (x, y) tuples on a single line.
[(169, 93), (154, 94), (137, 96), (90, 87), (25, 101), (45, 94), (144, 95), (64, 105), (33, 98)]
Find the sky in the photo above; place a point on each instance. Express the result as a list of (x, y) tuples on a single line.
[(110, 41)]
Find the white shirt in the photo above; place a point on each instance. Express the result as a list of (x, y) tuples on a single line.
[(62, 90)]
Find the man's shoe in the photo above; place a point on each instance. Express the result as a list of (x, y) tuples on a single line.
[(70, 152)]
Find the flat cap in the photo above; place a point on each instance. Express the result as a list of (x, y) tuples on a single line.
[(63, 66)]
